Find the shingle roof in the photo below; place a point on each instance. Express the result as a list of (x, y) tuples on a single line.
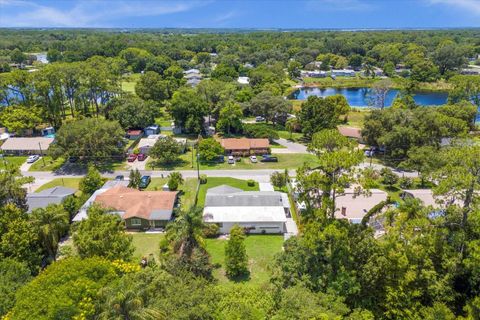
[(33, 144), (244, 144), (223, 189), (350, 132), (149, 205), (42, 199)]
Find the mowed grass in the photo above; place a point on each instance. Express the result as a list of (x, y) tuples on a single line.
[(261, 250), (146, 244), (12, 162), (188, 188), (218, 181), (64, 182), (128, 84), (47, 164), (356, 118)]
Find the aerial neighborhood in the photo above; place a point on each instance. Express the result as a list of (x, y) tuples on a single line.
[(239, 174)]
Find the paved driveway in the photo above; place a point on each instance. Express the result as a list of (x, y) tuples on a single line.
[(290, 147)]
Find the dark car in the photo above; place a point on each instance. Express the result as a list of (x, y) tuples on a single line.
[(141, 157), (268, 158), (119, 178), (72, 159), (144, 182), (220, 159), (131, 157)]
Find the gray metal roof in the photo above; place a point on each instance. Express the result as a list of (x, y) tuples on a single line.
[(223, 189), (42, 199), (244, 199)]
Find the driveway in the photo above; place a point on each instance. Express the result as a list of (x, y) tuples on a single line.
[(290, 147), (265, 186)]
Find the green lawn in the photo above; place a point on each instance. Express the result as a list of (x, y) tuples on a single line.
[(261, 250), (146, 244), (356, 118), (65, 182), (217, 181), (50, 164), (189, 187), (12, 162), (128, 83)]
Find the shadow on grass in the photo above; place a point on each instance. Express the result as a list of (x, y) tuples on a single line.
[(157, 165), (240, 278)]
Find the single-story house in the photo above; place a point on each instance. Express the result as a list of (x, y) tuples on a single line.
[(193, 82), (24, 146), (313, 74), (153, 129), (140, 209), (190, 71), (351, 132), (354, 207), (191, 76), (243, 80), (427, 198), (134, 134), (343, 73), (245, 146), (42, 199), (255, 211), (145, 144)]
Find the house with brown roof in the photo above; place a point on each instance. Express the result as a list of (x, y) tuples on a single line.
[(245, 146), (351, 132), (25, 146), (140, 209)]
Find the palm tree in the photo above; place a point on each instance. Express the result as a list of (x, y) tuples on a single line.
[(185, 233), (52, 223)]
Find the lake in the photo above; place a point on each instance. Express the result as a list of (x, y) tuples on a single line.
[(359, 97)]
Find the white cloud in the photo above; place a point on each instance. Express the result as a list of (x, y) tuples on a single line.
[(339, 5), (86, 13), (471, 6)]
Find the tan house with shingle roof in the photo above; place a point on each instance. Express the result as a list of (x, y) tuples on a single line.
[(139, 209), (245, 146), (25, 146)]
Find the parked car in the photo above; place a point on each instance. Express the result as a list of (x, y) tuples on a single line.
[(72, 159), (144, 182), (231, 160), (141, 156), (220, 159), (259, 119), (369, 153), (268, 158), (119, 178), (253, 159), (32, 159), (131, 157)]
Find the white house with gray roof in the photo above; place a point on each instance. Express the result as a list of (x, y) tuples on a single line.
[(256, 211)]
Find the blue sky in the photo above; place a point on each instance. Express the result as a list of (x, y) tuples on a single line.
[(241, 14)]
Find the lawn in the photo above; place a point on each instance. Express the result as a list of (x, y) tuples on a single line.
[(189, 188), (146, 244), (50, 164), (356, 117), (217, 181), (65, 182), (11, 162), (261, 250), (128, 84)]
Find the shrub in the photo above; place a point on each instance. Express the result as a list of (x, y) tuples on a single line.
[(260, 131), (250, 182), (405, 182), (211, 230), (278, 179), (203, 179)]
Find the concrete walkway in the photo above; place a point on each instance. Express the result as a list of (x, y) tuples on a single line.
[(291, 228), (291, 147), (265, 186)]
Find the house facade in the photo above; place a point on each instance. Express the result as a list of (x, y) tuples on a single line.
[(245, 147), (27, 146)]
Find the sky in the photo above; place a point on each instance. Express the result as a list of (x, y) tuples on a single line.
[(259, 14)]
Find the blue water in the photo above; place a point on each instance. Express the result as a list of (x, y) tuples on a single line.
[(359, 97)]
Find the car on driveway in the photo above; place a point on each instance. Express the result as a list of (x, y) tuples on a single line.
[(141, 156), (119, 178), (33, 158), (253, 159), (131, 157), (259, 119), (144, 182), (231, 160)]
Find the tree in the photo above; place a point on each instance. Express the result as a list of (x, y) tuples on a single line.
[(151, 86), (134, 179), (90, 140), (389, 178), (92, 181), (278, 179), (321, 113), (465, 88), (424, 160), (188, 110), (19, 119), (448, 56), (52, 223), (236, 260), (209, 149), (378, 94), (272, 108), (230, 119), (102, 234), (292, 125), (136, 58), (18, 56), (224, 72), (174, 180), (132, 112), (53, 55), (203, 58), (294, 68), (424, 71), (12, 190), (355, 61), (13, 275), (166, 150)]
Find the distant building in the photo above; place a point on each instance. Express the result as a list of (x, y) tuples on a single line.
[(245, 146), (313, 74), (154, 129), (134, 134), (354, 207), (42, 199), (255, 211), (145, 144), (25, 146), (243, 80), (351, 132), (343, 73)]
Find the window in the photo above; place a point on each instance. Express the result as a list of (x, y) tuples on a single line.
[(136, 222)]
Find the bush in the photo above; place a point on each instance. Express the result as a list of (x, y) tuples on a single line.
[(211, 230), (251, 183), (278, 179), (389, 177), (260, 131), (405, 182), (203, 179)]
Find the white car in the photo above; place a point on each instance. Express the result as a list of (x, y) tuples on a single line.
[(231, 160), (253, 159), (32, 159)]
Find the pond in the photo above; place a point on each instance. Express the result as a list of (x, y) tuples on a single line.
[(360, 97)]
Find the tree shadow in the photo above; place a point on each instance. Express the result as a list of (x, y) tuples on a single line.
[(240, 278), (155, 164)]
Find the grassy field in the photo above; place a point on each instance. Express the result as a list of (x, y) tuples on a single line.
[(65, 182), (146, 244), (189, 187), (11, 162), (356, 118), (261, 250), (128, 84), (217, 181), (50, 164)]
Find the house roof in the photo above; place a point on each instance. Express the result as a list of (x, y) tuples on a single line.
[(356, 206), (244, 143), (244, 214), (225, 196), (149, 205), (223, 189), (134, 132), (33, 143), (350, 132), (42, 199)]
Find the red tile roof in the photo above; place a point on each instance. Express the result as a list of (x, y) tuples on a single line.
[(244, 144)]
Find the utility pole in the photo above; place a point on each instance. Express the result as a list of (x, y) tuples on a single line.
[(41, 153), (198, 159)]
